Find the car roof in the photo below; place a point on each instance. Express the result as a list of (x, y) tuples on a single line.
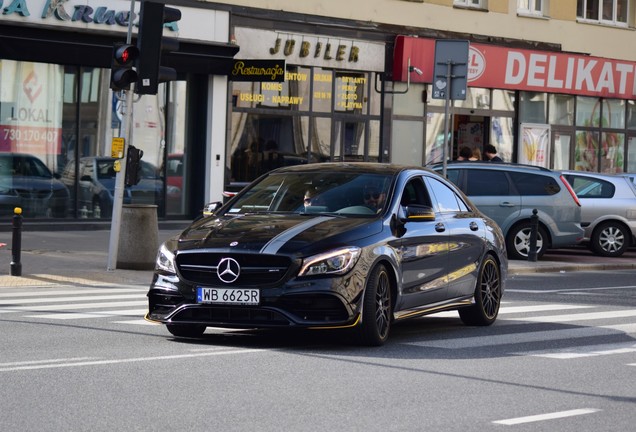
[(493, 165), (353, 167)]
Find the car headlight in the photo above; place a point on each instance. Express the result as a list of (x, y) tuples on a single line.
[(339, 261), (165, 260)]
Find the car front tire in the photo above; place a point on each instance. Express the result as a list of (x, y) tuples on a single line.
[(487, 296), (376, 309), (518, 241), (610, 239), (186, 330)]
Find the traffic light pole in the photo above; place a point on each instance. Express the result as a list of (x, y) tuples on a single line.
[(125, 131)]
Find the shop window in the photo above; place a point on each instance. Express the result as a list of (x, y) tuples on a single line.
[(613, 113), (531, 7), (503, 100), (612, 152), (587, 111), (323, 87), (501, 136), (349, 93), (586, 151), (561, 108), (561, 151), (321, 137), (476, 98), (631, 155), (631, 114), (532, 107), (434, 150)]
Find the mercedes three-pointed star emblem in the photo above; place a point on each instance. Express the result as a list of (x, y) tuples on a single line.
[(228, 270)]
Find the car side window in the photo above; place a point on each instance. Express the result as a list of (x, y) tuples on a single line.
[(415, 193), (534, 184), (487, 182), (447, 200), (586, 187)]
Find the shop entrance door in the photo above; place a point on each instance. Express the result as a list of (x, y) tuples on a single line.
[(471, 131)]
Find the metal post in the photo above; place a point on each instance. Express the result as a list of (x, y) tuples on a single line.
[(16, 246), (534, 229), (118, 198), (445, 151)]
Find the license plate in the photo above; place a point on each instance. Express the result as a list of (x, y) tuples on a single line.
[(239, 296)]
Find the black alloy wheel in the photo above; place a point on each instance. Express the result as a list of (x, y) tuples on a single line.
[(376, 309), (487, 296)]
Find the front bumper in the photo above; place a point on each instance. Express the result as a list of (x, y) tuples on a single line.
[(320, 302)]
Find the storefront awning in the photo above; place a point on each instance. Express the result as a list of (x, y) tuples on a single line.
[(80, 49)]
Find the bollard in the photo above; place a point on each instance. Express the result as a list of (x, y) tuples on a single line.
[(16, 247), (534, 229)]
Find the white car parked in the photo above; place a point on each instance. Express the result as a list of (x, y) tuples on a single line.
[(608, 210)]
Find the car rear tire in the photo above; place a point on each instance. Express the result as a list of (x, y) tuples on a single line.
[(376, 309), (186, 330), (487, 296), (518, 241), (610, 239)]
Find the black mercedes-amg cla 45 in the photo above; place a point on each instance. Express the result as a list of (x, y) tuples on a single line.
[(332, 245)]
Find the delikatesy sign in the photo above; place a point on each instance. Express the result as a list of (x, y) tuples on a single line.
[(520, 69)]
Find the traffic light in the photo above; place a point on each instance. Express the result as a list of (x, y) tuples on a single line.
[(133, 166), (122, 73), (151, 43)]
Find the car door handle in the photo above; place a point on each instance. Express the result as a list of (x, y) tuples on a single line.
[(473, 226), (440, 227), (506, 204)]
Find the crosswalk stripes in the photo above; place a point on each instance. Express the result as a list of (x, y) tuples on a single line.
[(129, 304), (515, 327)]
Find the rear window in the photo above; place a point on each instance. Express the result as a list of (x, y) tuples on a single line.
[(534, 184), (486, 182), (586, 187)]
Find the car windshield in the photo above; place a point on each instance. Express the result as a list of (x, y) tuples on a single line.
[(310, 192), (16, 165)]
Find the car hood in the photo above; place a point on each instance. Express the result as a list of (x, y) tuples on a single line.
[(31, 183), (144, 184), (277, 234)]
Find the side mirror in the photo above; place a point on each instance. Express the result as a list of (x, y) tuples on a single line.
[(210, 208), (419, 213)]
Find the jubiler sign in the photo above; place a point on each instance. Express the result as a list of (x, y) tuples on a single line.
[(518, 69)]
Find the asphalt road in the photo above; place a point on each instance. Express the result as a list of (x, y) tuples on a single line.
[(561, 356)]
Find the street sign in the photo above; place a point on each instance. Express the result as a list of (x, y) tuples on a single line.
[(451, 69), (117, 148)]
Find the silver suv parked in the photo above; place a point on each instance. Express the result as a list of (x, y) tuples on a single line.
[(508, 193), (608, 212)]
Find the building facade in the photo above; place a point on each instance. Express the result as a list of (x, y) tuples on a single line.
[(263, 84)]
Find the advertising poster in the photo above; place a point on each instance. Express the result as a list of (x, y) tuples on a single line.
[(30, 107), (534, 142)]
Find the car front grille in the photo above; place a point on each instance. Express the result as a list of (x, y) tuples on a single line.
[(30, 194), (255, 269)]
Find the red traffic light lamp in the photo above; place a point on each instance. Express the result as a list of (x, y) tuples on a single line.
[(122, 73)]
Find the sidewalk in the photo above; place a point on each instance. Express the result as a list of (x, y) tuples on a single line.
[(50, 258)]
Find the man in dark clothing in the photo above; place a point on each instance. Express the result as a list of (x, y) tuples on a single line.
[(491, 153)]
